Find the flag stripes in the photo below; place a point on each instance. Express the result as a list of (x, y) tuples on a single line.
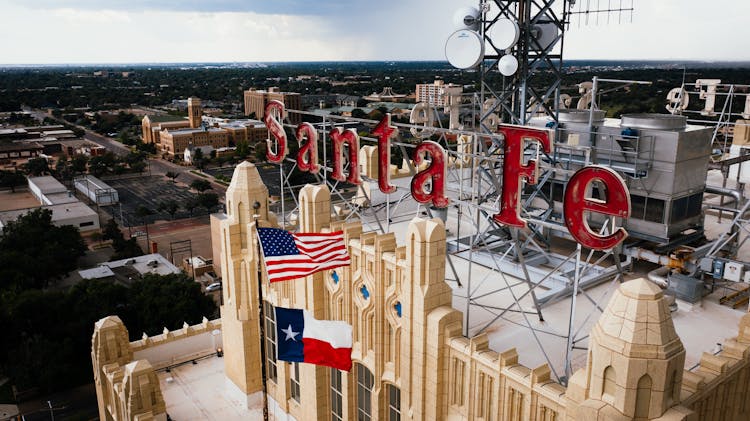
[(290, 256)]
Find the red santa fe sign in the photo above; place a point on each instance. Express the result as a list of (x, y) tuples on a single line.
[(576, 203)]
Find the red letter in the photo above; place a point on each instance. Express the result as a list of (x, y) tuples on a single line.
[(384, 131), (273, 122), (350, 137), (616, 203), (307, 157), (435, 172), (513, 170)]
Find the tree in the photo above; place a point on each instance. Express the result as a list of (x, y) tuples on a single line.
[(37, 166), (172, 175), (200, 185), (33, 252), (78, 163), (138, 167), (167, 300), (208, 200), (190, 204), (242, 149), (123, 248), (358, 113), (198, 158), (12, 179), (169, 206)]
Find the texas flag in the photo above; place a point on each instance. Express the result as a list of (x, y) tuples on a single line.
[(302, 338)]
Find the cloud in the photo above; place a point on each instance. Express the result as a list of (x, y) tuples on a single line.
[(286, 7)]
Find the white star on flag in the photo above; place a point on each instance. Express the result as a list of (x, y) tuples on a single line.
[(290, 334)]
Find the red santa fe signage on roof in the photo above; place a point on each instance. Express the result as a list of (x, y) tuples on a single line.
[(576, 203)]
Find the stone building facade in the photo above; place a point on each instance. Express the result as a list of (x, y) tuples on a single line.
[(127, 387), (410, 358), (256, 101), (411, 361)]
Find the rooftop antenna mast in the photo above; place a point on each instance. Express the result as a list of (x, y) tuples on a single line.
[(516, 47)]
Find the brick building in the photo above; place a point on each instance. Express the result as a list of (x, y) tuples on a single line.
[(256, 101)]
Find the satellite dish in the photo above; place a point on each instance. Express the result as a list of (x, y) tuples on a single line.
[(545, 32), (466, 18), (508, 65), (504, 33), (464, 49)]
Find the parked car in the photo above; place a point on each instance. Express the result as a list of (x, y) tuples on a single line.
[(213, 287)]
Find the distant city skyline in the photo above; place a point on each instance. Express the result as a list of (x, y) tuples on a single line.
[(171, 31)]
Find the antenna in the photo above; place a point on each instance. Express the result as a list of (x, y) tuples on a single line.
[(589, 11)]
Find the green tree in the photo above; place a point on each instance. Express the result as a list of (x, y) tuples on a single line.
[(198, 158), (208, 200), (190, 204), (33, 252), (37, 166), (242, 149), (200, 185), (358, 113), (172, 175), (169, 206), (12, 179), (167, 300), (79, 162)]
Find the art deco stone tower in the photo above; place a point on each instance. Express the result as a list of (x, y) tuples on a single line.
[(239, 313), (635, 360), (195, 112)]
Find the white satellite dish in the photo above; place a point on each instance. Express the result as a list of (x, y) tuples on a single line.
[(464, 49), (508, 65), (504, 34), (545, 32), (466, 18)]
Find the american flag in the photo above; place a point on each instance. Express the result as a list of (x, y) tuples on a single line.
[(291, 256)]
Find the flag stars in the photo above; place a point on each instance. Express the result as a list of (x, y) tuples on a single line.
[(290, 334)]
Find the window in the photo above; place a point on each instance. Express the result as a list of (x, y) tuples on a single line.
[(86, 224), (643, 397), (457, 382), (294, 382), (270, 331), (365, 381), (394, 403), (337, 410)]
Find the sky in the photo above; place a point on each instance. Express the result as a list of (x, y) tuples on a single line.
[(170, 31)]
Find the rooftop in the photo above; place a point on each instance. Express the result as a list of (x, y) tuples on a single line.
[(202, 392), (148, 263), (47, 184), (60, 212), (164, 118)]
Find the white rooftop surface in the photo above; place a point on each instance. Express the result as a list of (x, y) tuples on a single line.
[(202, 392), (60, 212), (93, 182), (47, 184), (96, 273), (61, 198), (140, 263)]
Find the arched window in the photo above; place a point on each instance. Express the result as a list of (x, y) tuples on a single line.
[(643, 397), (610, 385), (365, 381)]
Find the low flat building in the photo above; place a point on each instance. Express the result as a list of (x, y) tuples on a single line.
[(96, 190), (74, 213), (126, 270), (19, 151)]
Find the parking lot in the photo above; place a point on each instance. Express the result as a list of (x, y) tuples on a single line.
[(149, 191)]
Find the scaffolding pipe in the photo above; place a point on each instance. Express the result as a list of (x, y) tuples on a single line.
[(650, 256), (659, 276)]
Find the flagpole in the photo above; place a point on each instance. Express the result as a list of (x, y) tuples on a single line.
[(262, 318)]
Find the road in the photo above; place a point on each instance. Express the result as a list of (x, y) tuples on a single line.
[(156, 166)]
